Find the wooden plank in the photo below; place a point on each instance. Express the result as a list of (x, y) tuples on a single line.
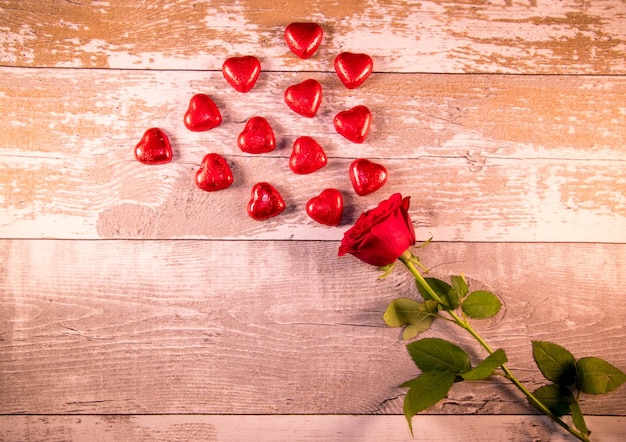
[(240, 333), (62, 114), (267, 327), (296, 428), (506, 201), (486, 158), (512, 36)]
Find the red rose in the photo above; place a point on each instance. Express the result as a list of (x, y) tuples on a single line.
[(382, 234)]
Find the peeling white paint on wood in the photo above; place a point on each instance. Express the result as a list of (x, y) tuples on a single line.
[(139, 339), (546, 36), (505, 200), (486, 158), (94, 111)]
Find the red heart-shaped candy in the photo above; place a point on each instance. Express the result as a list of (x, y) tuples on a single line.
[(303, 38), (154, 147), (354, 124), (265, 202), (304, 98), (214, 173), (353, 69), (307, 156), (326, 208), (202, 114), (257, 136), (367, 176), (241, 72)]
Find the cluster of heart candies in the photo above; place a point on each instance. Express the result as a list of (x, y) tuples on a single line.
[(303, 39)]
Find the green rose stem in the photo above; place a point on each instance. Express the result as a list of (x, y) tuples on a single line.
[(407, 260)]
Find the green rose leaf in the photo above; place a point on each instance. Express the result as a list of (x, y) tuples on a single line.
[(579, 419), (437, 354), (556, 398), (422, 322), (481, 304), (412, 330), (486, 367), (401, 312), (448, 295), (417, 316), (425, 391), (596, 376), (460, 285), (555, 362)]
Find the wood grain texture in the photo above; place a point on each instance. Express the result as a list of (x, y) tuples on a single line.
[(486, 158), (267, 327), (64, 112), (508, 36), (161, 312), (294, 428)]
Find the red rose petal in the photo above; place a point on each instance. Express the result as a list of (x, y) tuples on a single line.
[(381, 235)]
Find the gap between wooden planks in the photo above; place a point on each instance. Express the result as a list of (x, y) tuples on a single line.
[(125, 327)]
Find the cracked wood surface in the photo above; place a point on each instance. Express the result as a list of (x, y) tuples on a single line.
[(134, 306)]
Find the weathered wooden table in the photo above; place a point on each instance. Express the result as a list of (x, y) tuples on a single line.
[(135, 306)]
